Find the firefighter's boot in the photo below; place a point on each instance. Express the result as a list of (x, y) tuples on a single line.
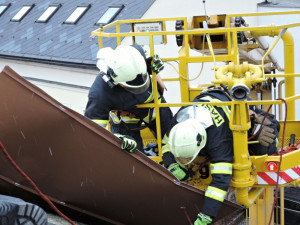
[(14, 211)]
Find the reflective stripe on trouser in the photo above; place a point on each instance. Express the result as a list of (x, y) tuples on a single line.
[(221, 168), (102, 123), (127, 119), (215, 193), (115, 119)]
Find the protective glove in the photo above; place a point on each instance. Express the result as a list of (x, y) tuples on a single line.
[(128, 143), (181, 173), (259, 118), (202, 219), (157, 65), (266, 136)]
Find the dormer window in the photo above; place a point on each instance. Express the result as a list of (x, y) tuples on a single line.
[(48, 14), (77, 14), (3, 8), (109, 14), (22, 13)]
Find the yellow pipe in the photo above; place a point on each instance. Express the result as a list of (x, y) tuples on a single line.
[(289, 68), (240, 124), (280, 96), (288, 42), (271, 48), (247, 198), (183, 71), (156, 106), (245, 73), (282, 205), (98, 32), (283, 75)]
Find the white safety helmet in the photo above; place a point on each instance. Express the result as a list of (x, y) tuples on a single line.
[(125, 66), (186, 139)]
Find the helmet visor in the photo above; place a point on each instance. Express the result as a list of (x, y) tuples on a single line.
[(183, 160), (138, 85)]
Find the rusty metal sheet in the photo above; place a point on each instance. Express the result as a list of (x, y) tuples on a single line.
[(76, 162)]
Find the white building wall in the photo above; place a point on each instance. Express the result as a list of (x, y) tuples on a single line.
[(73, 97)]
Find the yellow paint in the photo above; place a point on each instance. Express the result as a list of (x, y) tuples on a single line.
[(257, 198)]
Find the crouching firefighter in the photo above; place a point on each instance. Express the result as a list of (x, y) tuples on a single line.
[(203, 130), (124, 82)]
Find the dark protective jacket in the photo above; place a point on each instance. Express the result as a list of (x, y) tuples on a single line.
[(103, 99), (105, 104), (219, 147)]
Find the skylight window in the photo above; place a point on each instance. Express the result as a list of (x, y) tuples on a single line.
[(3, 8), (48, 14), (77, 14), (109, 14), (22, 13)]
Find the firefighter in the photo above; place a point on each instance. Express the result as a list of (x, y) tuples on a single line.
[(124, 82), (204, 130)]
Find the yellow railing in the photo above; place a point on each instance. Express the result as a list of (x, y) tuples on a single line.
[(244, 166)]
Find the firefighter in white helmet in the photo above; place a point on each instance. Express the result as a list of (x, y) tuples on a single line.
[(204, 130), (123, 82)]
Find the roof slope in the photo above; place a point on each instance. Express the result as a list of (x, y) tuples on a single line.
[(55, 41)]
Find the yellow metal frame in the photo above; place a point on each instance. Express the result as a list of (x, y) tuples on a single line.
[(248, 193)]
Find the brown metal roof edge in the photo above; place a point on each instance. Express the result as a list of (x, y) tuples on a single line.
[(94, 127), (126, 161), (42, 94)]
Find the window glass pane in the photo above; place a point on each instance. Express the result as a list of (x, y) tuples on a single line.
[(47, 13), (21, 13), (2, 8), (75, 15), (110, 13)]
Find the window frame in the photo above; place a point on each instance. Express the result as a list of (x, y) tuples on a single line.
[(50, 16), (113, 17), (81, 15), (7, 6), (25, 14)]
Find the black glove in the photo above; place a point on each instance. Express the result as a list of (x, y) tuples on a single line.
[(128, 143), (149, 66), (158, 64)]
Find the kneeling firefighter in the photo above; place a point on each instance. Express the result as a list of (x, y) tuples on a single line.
[(124, 82)]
